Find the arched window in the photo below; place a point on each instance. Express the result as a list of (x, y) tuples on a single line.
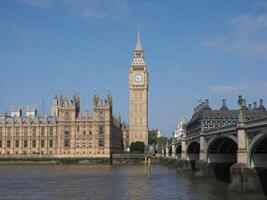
[(101, 137)]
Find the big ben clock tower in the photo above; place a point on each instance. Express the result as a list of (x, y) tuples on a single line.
[(138, 84)]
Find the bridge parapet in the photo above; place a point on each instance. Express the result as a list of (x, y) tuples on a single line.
[(235, 140)]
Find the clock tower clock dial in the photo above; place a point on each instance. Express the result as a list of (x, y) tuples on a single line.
[(138, 85), (138, 78)]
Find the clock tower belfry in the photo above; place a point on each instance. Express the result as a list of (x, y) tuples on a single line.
[(138, 85)]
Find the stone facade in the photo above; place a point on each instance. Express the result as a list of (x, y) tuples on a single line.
[(205, 118), (138, 84), (67, 133)]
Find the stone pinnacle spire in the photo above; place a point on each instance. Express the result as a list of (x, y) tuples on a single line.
[(138, 44)]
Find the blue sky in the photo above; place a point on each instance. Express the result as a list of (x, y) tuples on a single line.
[(194, 50)]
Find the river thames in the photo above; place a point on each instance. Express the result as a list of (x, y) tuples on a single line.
[(80, 182)]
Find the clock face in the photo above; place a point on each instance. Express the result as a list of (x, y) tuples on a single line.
[(138, 78)]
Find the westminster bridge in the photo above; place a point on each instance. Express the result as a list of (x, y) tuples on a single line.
[(234, 153)]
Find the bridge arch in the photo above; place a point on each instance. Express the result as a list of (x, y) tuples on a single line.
[(221, 149), (258, 151), (178, 151), (170, 151), (222, 154), (193, 149), (258, 158)]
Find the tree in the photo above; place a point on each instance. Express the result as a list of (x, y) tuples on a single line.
[(152, 137), (137, 147), (162, 140)]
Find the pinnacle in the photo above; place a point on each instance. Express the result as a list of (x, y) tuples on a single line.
[(138, 44)]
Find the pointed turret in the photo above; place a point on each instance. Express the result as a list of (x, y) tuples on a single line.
[(138, 46), (138, 53)]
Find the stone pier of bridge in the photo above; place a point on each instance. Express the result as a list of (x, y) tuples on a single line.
[(234, 154)]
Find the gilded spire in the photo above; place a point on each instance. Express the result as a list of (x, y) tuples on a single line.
[(138, 44)]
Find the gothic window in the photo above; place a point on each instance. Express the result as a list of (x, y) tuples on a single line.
[(8, 144), (101, 137), (34, 131), (50, 143), (67, 115), (8, 132), (25, 131), (42, 143), (1, 143), (17, 132), (135, 96), (135, 109), (25, 143), (1, 132), (17, 143), (66, 143), (34, 143), (101, 116), (78, 143), (66, 136), (140, 108), (51, 131), (42, 131), (66, 131), (90, 142), (140, 96)]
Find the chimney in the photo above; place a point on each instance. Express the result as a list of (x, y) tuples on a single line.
[(245, 104), (261, 106), (261, 103), (224, 102), (206, 102), (254, 105), (224, 107), (250, 106), (31, 111), (203, 104), (16, 111)]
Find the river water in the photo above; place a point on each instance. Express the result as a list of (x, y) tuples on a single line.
[(80, 182)]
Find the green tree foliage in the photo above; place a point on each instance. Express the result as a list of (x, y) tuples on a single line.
[(162, 140), (137, 147), (170, 140), (152, 137)]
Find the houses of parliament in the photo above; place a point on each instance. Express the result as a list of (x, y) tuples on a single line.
[(68, 132)]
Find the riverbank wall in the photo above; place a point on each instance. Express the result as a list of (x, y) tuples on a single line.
[(115, 159)]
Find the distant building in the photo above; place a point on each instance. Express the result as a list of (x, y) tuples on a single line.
[(158, 133), (205, 118), (67, 133), (180, 128)]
